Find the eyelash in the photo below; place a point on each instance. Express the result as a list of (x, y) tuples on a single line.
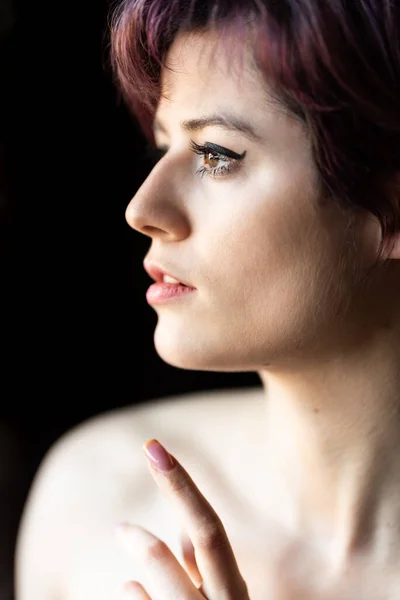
[(155, 154)]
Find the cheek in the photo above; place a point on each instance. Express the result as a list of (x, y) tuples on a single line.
[(275, 249), (265, 232)]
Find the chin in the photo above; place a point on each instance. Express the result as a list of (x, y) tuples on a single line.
[(181, 350), (190, 352)]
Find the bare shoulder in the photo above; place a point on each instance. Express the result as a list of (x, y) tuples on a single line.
[(180, 420), (108, 445), (192, 426), (107, 437), (90, 479)]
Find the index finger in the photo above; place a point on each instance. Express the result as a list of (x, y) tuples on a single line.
[(214, 555)]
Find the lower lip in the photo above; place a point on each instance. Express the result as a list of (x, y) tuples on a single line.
[(158, 293)]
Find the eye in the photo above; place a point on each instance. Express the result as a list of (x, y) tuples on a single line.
[(219, 161)]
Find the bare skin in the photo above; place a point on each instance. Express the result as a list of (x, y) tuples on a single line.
[(109, 483), (309, 486)]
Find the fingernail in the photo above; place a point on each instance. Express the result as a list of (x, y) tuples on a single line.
[(158, 456)]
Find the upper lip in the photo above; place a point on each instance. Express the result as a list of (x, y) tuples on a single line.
[(157, 272)]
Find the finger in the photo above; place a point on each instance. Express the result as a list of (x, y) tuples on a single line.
[(189, 559), (222, 579), (165, 578), (133, 590)]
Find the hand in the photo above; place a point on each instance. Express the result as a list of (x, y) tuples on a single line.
[(207, 552)]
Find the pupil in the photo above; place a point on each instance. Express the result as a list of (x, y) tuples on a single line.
[(212, 157)]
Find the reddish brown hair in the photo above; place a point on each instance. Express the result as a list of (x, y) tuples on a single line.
[(335, 64)]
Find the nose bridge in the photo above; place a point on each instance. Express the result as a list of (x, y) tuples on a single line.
[(156, 209)]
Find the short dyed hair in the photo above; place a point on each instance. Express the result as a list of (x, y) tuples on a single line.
[(335, 64)]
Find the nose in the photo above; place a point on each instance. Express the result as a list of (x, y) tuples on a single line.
[(157, 209)]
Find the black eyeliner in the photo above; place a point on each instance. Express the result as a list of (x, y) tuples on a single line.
[(210, 147), (155, 154)]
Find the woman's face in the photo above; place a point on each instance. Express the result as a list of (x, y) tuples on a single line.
[(270, 261)]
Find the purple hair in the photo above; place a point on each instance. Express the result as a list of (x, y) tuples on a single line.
[(335, 64)]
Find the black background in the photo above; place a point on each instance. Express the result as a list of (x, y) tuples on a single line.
[(77, 332)]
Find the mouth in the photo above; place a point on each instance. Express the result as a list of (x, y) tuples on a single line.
[(160, 275)]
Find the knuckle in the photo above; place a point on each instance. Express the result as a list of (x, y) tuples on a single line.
[(180, 484), (244, 588), (211, 536), (156, 550), (237, 589)]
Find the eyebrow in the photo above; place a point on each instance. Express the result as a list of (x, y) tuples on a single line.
[(224, 120)]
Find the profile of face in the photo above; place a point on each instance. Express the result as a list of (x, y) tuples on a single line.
[(274, 267)]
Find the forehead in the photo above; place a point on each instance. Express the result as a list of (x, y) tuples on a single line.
[(202, 74), (203, 56)]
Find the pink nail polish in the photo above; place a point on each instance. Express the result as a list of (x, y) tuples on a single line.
[(158, 456)]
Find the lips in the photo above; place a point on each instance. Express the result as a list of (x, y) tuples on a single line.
[(157, 273)]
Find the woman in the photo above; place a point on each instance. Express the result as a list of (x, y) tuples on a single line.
[(275, 208)]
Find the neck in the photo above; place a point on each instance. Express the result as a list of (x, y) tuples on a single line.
[(333, 434)]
